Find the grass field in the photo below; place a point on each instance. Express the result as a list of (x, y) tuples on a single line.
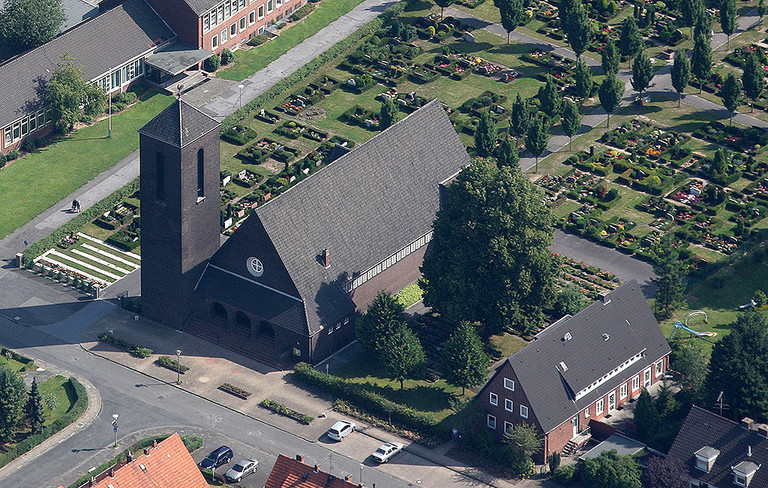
[(249, 61), (61, 168), (60, 388)]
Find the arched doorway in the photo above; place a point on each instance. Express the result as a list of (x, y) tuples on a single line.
[(242, 321), (266, 329), (218, 311)]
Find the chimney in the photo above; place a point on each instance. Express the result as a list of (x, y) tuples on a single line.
[(749, 451), (748, 423), (327, 258), (128, 456), (299, 458), (347, 477), (154, 444), (146, 451), (762, 429), (112, 472), (605, 298), (315, 470)]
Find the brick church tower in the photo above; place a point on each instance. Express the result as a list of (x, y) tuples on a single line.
[(179, 161)]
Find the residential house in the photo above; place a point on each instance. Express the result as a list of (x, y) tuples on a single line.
[(579, 369), (293, 473), (721, 453)]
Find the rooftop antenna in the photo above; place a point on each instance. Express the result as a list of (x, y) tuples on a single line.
[(720, 405)]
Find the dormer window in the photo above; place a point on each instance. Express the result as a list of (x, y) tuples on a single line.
[(705, 458), (744, 472)]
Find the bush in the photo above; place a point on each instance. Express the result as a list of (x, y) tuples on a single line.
[(258, 40), (303, 11), (28, 145), (565, 475), (212, 64), (172, 364), (135, 350), (235, 390), (12, 154), (238, 135), (227, 56), (3, 160), (281, 409)]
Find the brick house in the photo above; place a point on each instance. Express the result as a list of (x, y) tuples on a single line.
[(721, 453), (293, 473), (579, 369)]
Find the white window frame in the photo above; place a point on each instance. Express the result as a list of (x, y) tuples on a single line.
[(659, 367), (227, 10), (220, 12), (207, 22), (509, 405), (600, 406), (493, 398), (623, 391), (233, 30), (215, 41), (261, 31), (647, 378), (252, 17), (270, 6), (524, 411), (242, 23), (737, 480), (509, 384), (508, 427), (262, 8), (586, 413), (278, 3), (490, 421), (224, 36)]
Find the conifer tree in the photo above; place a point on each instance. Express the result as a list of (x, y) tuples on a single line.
[(583, 78), (507, 154), (519, 117), (642, 73), (681, 73), (701, 59), (753, 80), (550, 98), (537, 138), (12, 393), (384, 316), (403, 356), (571, 120), (34, 408), (463, 359), (610, 57), (485, 136), (728, 16), (731, 92), (611, 90), (630, 38), (388, 114)]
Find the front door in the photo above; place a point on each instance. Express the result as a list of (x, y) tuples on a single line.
[(612, 401), (647, 378), (575, 423)]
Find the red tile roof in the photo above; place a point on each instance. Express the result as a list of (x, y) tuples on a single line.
[(169, 465), (292, 473)]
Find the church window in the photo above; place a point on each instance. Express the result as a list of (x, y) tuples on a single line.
[(160, 175), (200, 174)]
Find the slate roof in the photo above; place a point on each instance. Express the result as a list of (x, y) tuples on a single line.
[(97, 45), (200, 7), (631, 328), (703, 428), (169, 465), (363, 207), (179, 124), (292, 473)]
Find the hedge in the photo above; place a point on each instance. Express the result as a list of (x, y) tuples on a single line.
[(27, 362), (281, 409), (372, 402), (172, 364), (252, 107), (78, 222), (135, 350), (74, 413)]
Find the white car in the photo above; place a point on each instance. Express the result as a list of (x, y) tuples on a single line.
[(241, 470), (341, 429), (386, 451)]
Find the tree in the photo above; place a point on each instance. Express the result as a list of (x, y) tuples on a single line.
[(26, 24), (681, 73), (34, 408), (537, 138), (550, 98), (646, 417), (485, 136), (388, 114), (524, 441), (403, 356), (492, 224), (583, 78), (66, 92), (384, 316), (442, 4), (578, 28), (670, 277), (642, 73), (760, 298), (630, 38), (730, 93), (701, 59), (752, 79), (728, 16), (570, 301), (609, 470), (739, 368), (519, 117), (691, 360), (610, 57), (12, 393), (611, 90), (761, 9), (691, 11), (506, 153), (665, 473), (571, 120), (464, 362), (512, 14)]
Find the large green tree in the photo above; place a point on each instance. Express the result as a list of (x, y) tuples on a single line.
[(609, 470), (485, 136), (524, 441), (730, 93), (550, 97), (403, 356), (753, 79), (537, 138), (12, 395), (728, 17), (571, 120), (26, 24), (69, 96), (463, 359), (610, 57), (671, 272), (583, 77), (578, 29), (34, 408), (665, 473), (570, 301), (383, 317), (646, 417), (691, 360), (642, 73), (387, 114), (519, 117), (611, 90), (739, 369), (681, 73), (630, 39), (512, 14), (442, 4), (507, 154), (691, 11), (701, 58), (493, 225)]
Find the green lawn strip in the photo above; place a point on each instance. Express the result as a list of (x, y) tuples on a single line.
[(249, 61), (84, 270), (61, 168), (409, 295), (92, 257), (13, 363), (507, 344), (60, 388), (110, 250)]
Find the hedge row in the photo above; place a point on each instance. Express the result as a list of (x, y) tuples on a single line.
[(252, 107), (172, 364), (79, 221), (281, 409), (133, 349), (27, 362), (74, 413), (374, 403)]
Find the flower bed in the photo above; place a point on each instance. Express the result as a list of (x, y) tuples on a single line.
[(172, 364), (281, 409), (133, 349), (239, 135), (290, 129), (359, 116), (234, 390), (746, 141), (267, 116), (423, 75)]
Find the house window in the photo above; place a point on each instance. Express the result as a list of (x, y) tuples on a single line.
[(160, 177), (32, 122), (599, 407), (261, 30), (252, 18), (330, 330), (636, 383), (221, 13), (623, 391), (214, 18), (206, 22), (261, 13), (491, 421), (200, 174), (233, 30), (279, 3), (509, 384), (524, 411), (242, 3), (235, 6), (24, 126), (586, 413), (508, 406), (494, 399), (507, 428), (116, 79), (8, 136), (647, 378), (659, 368), (227, 11), (17, 131), (739, 480), (215, 42), (242, 24), (224, 36), (270, 6)]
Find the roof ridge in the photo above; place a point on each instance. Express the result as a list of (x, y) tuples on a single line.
[(715, 415)]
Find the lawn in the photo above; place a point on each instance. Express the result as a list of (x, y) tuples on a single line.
[(506, 344), (61, 168), (14, 365), (249, 61), (57, 387)]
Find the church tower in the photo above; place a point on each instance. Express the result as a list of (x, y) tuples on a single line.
[(179, 161)]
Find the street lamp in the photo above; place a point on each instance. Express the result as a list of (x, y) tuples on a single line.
[(241, 94), (114, 426), (178, 366), (361, 474)]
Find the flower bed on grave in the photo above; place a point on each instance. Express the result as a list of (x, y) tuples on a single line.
[(738, 57), (580, 186), (614, 232), (267, 116), (315, 134), (262, 150), (590, 278), (246, 178), (293, 105), (361, 117), (360, 84), (482, 102), (239, 135), (423, 74), (643, 138), (290, 129), (549, 60), (750, 141)]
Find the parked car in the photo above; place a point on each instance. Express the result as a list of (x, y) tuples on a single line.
[(220, 456), (241, 470), (341, 429), (386, 451)]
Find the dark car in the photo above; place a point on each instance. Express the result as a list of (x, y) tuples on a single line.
[(220, 456)]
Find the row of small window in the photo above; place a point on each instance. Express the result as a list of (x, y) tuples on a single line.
[(227, 35), (338, 325), (609, 375), (121, 76), (227, 10), (27, 125), (391, 260), (507, 425), (508, 405)]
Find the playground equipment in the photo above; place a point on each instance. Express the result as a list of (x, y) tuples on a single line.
[(701, 335)]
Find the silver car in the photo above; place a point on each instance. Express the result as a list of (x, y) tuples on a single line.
[(386, 451), (241, 470), (341, 429)]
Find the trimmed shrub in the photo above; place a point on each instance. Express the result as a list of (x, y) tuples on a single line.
[(258, 40), (28, 145), (172, 364), (3, 160), (235, 390), (239, 135), (227, 56), (303, 11), (281, 409), (212, 64), (135, 350), (12, 154), (565, 475)]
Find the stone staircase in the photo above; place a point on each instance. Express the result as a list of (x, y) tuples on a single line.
[(260, 348)]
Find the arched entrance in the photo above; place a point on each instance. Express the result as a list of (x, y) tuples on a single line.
[(218, 311), (242, 321)]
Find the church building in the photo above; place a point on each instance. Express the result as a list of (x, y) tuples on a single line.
[(286, 286)]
